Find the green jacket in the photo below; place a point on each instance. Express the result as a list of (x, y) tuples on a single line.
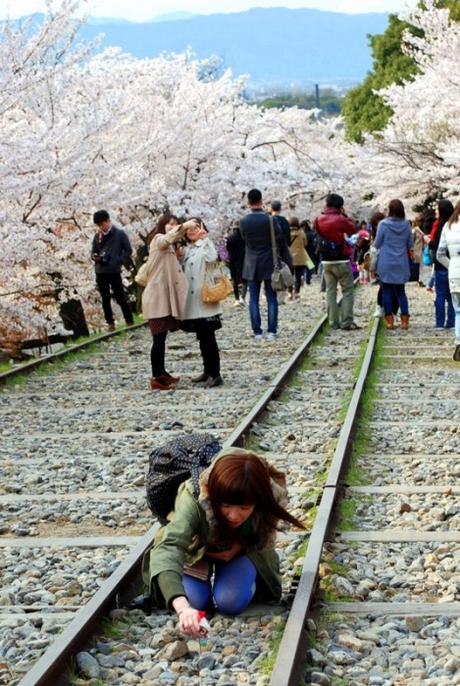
[(184, 539)]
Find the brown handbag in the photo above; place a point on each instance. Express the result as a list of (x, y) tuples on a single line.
[(216, 284)]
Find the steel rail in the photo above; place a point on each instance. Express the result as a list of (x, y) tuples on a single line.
[(51, 669), (288, 667), (30, 367)]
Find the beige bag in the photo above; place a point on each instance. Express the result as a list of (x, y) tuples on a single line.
[(142, 275), (216, 284)]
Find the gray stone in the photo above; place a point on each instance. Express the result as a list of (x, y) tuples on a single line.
[(88, 666)]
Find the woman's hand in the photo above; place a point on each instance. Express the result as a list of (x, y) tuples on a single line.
[(226, 555), (187, 616), (189, 621)]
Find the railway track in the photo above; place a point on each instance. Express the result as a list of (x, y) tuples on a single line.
[(305, 431), (73, 455)]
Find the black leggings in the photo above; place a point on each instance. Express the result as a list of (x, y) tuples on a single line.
[(209, 350), (157, 354)]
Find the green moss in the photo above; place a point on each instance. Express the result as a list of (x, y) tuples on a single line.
[(266, 665)]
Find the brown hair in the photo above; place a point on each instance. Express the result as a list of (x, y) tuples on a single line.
[(396, 209), (245, 479), (293, 221), (375, 219), (455, 215), (161, 226)]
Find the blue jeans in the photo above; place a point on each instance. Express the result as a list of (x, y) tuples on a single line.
[(389, 290), (254, 309), (443, 296), (233, 589), (456, 304)]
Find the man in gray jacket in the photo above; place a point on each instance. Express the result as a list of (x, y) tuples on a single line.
[(110, 250), (258, 262)]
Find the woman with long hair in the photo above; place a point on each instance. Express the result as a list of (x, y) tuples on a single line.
[(448, 255), (228, 533), (298, 248), (443, 297), (394, 241), (199, 317), (165, 294)]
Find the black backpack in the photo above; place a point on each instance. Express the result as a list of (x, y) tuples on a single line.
[(176, 461)]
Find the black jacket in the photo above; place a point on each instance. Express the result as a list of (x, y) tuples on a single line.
[(236, 250), (114, 248), (258, 259)]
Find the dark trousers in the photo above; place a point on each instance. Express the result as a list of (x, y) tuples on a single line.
[(389, 291), (157, 354), (104, 283), (209, 351), (443, 298), (298, 273)]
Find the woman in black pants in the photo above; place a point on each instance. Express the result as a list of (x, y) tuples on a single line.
[(202, 318)]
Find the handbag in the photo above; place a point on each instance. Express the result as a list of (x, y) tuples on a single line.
[(142, 275), (282, 278), (427, 256), (216, 285)]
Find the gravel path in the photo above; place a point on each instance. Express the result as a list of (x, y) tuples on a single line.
[(412, 440)]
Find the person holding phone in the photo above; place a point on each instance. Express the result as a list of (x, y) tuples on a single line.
[(199, 317), (165, 294), (218, 548)]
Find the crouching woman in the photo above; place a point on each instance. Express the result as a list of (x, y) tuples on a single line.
[(217, 551)]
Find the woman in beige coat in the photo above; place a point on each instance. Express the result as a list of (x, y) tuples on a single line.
[(299, 254), (165, 294)]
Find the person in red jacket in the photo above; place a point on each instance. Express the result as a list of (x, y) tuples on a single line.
[(333, 226)]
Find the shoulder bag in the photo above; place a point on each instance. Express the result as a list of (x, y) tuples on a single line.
[(142, 275), (282, 277), (216, 285)]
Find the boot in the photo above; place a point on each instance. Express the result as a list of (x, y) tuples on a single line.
[(389, 321), (404, 321)]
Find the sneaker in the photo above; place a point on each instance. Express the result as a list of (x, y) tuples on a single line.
[(351, 327), (271, 336), (379, 312), (111, 327), (236, 303), (258, 337)]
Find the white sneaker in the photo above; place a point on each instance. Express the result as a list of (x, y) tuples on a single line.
[(379, 312), (271, 336), (258, 337)]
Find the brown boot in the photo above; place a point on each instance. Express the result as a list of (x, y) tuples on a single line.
[(404, 321), (389, 321)]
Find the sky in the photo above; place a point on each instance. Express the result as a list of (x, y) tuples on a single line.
[(142, 10)]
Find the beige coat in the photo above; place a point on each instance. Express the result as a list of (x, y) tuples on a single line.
[(197, 256), (298, 245), (166, 290)]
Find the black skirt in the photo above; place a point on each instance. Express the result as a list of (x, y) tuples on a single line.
[(203, 324)]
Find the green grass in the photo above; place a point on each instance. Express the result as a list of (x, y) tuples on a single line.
[(266, 665)]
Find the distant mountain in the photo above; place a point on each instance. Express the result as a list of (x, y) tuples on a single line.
[(172, 16), (275, 46)]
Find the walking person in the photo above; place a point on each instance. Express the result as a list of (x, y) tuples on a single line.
[(228, 532), (110, 250), (394, 241), (312, 250), (443, 298), (236, 249), (448, 254), (332, 228), (165, 295), (299, 255), (258, 263), (199, 317)]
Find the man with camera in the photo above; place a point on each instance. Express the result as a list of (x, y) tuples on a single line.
[(110, 250)]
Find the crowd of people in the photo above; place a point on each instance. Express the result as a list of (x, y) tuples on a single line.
[(389, 250), (217, 549)]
